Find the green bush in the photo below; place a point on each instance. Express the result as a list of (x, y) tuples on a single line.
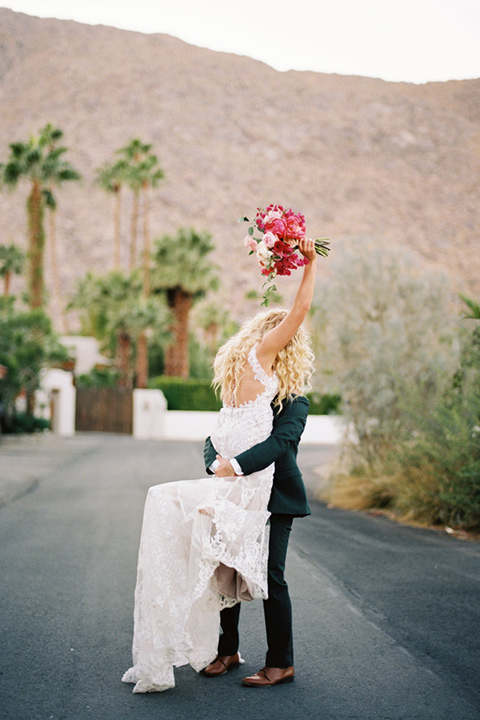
[(197, 394), (105, 377), (22, 422), (432, 476), (191, 394), (328, 404)]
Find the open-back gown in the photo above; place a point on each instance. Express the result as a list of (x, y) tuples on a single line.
[(204, 546)]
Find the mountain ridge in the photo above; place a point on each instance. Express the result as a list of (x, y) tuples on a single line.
[(358, 156)]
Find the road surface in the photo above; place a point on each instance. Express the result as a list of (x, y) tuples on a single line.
[(386, 617)]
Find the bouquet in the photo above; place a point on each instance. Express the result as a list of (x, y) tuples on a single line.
[(273, 236)]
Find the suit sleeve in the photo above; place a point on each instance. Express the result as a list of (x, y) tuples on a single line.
[(209, 454), (287, 430)]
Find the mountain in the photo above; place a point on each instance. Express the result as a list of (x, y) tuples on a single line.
[(358, 156)]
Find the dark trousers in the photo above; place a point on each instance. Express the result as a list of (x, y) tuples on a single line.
[(277, 609)]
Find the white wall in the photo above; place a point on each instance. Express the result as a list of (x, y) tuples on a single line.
[(182, 425), (57, 393), (85, 351), (149, 414)]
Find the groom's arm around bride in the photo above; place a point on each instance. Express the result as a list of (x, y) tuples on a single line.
[(281, 447)]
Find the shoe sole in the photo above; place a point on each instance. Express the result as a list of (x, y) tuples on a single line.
[(279, 682)]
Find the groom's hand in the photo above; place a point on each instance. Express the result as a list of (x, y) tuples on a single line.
[(224, 468)]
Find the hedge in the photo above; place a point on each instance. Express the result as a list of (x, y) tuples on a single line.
[(188, 394), (327, 404), (193, 394)]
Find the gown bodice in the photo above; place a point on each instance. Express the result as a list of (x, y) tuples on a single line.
[(239, 428)]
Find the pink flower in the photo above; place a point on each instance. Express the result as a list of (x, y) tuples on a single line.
[(295, 227), (278, 226), (269, 239), (276, 253), (273, 212), (272, 215), (250, 243)]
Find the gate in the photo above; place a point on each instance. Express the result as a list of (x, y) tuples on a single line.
[(104, 410)]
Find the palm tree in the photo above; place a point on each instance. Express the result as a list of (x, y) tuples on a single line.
[(212, 318), (11, 263), (111, 177), (142, 173), (133, 154), (185, 272), (40, 162), (112, 310), (56, 179), (149, 174)]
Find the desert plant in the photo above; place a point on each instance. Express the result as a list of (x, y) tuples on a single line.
[(390, 339)]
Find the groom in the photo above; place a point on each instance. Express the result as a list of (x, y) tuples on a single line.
[(287, 501)]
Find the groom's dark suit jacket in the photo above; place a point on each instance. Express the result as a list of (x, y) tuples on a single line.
[(281, 447)]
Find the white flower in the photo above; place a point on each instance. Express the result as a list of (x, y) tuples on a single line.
[(263, 253)]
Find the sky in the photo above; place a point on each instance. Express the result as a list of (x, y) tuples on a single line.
[(398, 40)]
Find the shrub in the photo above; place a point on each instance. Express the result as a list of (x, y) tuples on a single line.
[(23, 422), (191, 394), (433, 475), (390, 338), (97, 377), (197, 394), (327, 404)]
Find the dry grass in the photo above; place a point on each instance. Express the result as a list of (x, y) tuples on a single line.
[(410, 500)]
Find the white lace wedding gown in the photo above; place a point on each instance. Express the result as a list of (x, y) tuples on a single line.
[(184, 552)]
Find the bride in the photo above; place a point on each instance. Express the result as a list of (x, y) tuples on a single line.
[(204, 543)]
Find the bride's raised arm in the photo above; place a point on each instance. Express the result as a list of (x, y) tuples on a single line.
[(277, 338)]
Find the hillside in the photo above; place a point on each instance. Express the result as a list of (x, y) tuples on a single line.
[(357, 156)]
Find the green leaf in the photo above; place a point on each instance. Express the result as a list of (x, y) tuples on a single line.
[(250, 231), (243, 219)]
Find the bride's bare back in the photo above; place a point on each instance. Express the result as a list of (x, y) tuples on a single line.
[(249, 387)]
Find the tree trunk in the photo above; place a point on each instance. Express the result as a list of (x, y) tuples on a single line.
[(116, 250), (142, 342), (176, 355), (124, 359), (6, 287), (52, 237), (146, 242), (133, 230), (36, 242), (141, 380)]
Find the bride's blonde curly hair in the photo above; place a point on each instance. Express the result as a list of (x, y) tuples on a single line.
[(293, 364)]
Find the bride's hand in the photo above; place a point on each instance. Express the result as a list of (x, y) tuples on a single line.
[(307, 248)]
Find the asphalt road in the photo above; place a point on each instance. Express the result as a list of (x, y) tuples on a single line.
[(386, 617)]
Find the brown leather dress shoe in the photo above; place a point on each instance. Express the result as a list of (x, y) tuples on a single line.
[(270, 676), (222, 664)]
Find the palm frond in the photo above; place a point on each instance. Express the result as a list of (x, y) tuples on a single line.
[(473, 306)]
